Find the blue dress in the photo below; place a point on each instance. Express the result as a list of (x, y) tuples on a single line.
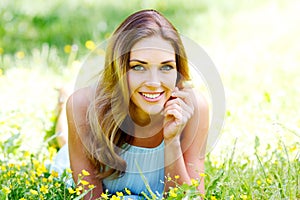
[(144, 172)]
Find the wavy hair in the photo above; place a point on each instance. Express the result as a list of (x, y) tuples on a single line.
[(108, 113)]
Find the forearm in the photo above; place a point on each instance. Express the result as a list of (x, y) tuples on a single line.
[(175, 165)]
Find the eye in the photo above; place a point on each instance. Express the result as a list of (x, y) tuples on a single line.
[(137, 68), (166, 68)]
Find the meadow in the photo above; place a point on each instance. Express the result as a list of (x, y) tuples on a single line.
[(254, 45)]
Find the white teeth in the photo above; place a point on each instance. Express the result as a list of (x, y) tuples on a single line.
[(150, 96)]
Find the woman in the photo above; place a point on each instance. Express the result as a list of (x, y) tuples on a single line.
[(143, 121)]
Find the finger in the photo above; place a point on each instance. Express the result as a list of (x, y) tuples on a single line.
[(180, 104)]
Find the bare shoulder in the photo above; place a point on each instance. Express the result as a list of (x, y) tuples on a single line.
[(80, 98), (77, 107), (199, 101)]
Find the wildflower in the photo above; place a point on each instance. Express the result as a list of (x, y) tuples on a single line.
[(202, 175), (172, 192), (69, 170), (213, 198), (54, 174), (26, 154), (127, 191), (78, 189), (34, 192), (269, 181), (90, 45), (22, 198), (91, 186), (293, 148), (114, 197), (44, 180), (57, 185), (194, 182), (85, 173), (244, 197), (67, 48), (71, 191), (52, 152), (104, 196), (177, 177), (83, 182), (258, 182), (44, 189), (169, 178), (6, 190), (3, 168), (119, 194), (20, 55), (232, 197)]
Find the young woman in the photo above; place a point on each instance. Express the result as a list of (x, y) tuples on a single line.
[(143, 121)]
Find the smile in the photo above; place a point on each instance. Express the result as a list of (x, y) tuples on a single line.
[(152, 96)]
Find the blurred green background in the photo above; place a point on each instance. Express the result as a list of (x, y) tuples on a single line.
[(254, 44)]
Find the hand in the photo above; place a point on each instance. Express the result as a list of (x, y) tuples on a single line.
[(178, 110)]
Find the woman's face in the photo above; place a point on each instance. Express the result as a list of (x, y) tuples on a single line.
[(152, 75)]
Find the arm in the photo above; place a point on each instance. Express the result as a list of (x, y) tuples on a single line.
[(185, 151), (78, 128)]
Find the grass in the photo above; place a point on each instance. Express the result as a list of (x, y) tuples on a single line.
[(254, 45)]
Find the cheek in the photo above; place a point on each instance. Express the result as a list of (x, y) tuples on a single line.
[(170, 80), (133, 82)]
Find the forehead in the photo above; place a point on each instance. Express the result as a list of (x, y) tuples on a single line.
[(153, 47)]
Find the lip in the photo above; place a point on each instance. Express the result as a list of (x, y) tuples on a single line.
[(152, 96)]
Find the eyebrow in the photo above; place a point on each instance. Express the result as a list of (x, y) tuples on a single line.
[(144, 62)]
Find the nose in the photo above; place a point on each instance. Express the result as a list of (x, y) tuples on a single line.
[(153, 79)]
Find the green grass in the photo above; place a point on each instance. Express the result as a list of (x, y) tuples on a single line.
[(255, 47)]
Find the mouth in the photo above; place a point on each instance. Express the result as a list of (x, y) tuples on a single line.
[(152, 96)]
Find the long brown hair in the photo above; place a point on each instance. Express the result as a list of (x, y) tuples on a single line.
[(108, 112)]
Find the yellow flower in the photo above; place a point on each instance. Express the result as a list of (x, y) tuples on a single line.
[(90, 45), (71, 191), (44, 180), (293, 148), (177, 177), (91, 186), (57, 185), (119, 194), (169, 178), (85, 173), (114, 197), (173, 193), (3, 168), (54, 174), (1, 50), (26, 154), (20, 55), (194, 182), (67, 48), (258, 182), (269, 180), (6, 190), (44, 189), (69, 170), (83, 182), (243, 196), (213, 198), (34, 192), (202, 175), (104, 196), (22, 198), (231, 197), (127, 191)]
